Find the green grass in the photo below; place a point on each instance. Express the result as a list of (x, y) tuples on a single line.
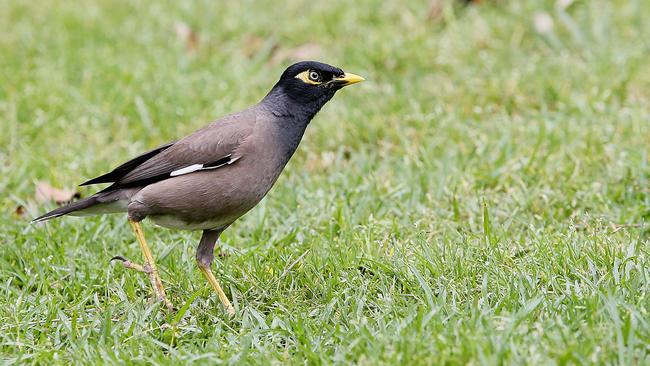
[(482, 199)]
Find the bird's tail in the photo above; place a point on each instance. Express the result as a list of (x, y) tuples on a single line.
[(102, 202), (72, 207)]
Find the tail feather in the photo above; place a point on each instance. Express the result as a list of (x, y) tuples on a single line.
[(72, 207)]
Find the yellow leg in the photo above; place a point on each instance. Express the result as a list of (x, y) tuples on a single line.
[(149, 266), (217, 288)]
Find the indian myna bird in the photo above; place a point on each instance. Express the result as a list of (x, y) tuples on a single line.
[(207, 180)]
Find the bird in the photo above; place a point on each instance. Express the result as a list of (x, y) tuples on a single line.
[(210, 178)]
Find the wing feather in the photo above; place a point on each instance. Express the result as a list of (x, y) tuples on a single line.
[(211, 147), (124, 169)]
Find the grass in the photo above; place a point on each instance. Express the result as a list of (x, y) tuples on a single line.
[(482, 199)]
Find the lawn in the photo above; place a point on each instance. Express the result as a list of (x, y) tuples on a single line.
[(483, 198)]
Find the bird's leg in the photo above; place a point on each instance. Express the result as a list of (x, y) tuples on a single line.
[(204, 257), (149, 266)]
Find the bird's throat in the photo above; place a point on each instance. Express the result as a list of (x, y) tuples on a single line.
[(300, 110)]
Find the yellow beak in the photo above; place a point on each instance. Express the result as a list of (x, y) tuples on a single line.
[(348, 79)]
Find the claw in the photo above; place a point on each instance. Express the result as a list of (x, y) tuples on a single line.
[(128, 264), (119, 258)]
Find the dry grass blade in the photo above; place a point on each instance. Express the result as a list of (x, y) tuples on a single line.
[(187, 36), (45, 193)]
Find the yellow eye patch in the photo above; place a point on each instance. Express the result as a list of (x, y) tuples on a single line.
[(310, 77)]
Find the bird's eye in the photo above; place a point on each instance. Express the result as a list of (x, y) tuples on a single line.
[(314, 76), (310, 77)]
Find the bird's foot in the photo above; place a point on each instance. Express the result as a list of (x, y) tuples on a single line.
[(128, 264), (156, 282)]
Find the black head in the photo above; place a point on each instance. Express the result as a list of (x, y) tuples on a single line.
[(308, 85)]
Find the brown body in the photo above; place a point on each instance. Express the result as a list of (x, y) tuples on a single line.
[(218, 197), (207, 180)]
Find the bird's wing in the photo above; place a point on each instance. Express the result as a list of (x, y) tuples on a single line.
[(211, 147), (122, 170)]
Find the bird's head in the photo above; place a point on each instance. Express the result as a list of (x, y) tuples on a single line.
[(309, 85)]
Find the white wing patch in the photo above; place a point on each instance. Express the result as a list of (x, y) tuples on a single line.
[(186, 170), (197, 167)]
